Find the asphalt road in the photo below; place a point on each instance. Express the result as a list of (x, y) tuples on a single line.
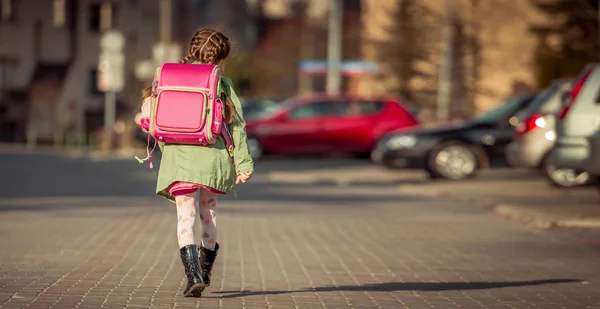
[(306, 233)]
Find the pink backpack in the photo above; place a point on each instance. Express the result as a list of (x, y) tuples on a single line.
[(185, 107)]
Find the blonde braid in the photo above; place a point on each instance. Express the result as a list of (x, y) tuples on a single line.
[(186, 59), (206, 42), (193, 48)]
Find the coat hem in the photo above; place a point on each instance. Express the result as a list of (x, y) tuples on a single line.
[(227, 189)]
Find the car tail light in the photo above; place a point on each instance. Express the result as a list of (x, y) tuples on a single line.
[(530, 123), (574, 92)]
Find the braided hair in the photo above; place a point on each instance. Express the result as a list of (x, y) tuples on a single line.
[(211, 47), (208, 46)]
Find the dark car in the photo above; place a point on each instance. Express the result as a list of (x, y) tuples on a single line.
[(453, 151)]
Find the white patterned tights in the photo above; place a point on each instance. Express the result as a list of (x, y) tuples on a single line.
[(188, 206)]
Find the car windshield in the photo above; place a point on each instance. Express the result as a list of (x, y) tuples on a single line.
[(258, 108), (275, 108), (503, 110)]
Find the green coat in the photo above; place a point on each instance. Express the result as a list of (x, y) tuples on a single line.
[(207, 165)]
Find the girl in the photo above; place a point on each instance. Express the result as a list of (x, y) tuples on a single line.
[(193, 176)]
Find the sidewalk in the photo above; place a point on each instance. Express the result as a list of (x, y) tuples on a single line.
[(552, 215), (514, 194), (107, 242), (114, 252)]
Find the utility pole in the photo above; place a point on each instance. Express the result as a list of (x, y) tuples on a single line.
[(306, 51), (165, 16), (446, 59), (165, 50), (334, 50), (599, 30)]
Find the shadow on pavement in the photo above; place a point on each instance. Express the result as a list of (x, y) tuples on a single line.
[(404, 286)]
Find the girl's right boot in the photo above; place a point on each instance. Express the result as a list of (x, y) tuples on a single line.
[(189, 258)]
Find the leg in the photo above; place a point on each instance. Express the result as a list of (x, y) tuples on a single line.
[(186, 216), (210, 247), (207, 210)]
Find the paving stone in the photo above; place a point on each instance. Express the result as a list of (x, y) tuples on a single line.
[(282, 246)]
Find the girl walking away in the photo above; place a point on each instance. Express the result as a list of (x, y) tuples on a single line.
[(193, 176)]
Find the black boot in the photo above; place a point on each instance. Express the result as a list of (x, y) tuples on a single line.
[(207, 259), (195, 285)]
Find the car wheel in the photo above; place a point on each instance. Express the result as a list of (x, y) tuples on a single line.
[(431, 174), (452, 161), (565, 178), (255, 148)]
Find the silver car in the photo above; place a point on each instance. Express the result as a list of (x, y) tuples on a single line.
[(536, 135), (592, 164), (577, 121)]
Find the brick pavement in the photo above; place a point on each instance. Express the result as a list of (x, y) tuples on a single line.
[(415, 253), (291, 246)]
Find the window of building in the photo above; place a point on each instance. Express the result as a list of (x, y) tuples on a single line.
[(94, 75), (6, 10), (60, 13), (102, 16)]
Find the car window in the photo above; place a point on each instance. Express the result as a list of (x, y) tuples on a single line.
[(540, 100), (364, 108), (554, 104), (509, 108), (547, 102), (320, 109), (256, 108)]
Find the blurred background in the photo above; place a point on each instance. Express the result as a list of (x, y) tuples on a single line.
[(356, 72)]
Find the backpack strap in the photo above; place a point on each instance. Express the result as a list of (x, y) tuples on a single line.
[(228, 140), (224, 128)]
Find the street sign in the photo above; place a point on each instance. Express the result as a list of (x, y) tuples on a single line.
[(111, 72), (111, 65), (112, 40), (348, 68)]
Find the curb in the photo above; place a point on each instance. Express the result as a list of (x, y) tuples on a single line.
[(516, 213), (528, 217), (545, 221)]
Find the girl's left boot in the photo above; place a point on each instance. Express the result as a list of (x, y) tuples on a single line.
[(189, 258), (207, 260)]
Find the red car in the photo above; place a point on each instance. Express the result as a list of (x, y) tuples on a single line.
[(323, 124)]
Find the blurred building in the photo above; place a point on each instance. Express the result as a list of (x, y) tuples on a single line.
[(233, 17), (278, 9), (493, 48), (295, 32), (49, 51)]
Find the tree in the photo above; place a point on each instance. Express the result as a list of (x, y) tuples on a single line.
[(575, 24), (408, 45)]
